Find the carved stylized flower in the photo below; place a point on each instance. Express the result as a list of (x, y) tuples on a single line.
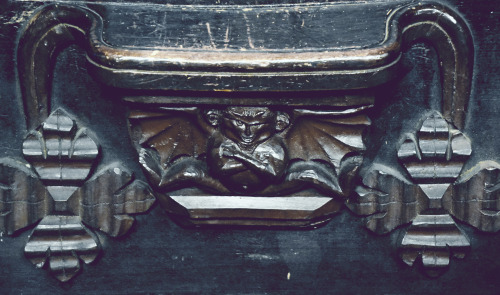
[(432, 190), (60, 193)]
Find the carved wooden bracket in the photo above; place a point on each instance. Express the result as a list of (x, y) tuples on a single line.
[(232, 160), (218, 151)]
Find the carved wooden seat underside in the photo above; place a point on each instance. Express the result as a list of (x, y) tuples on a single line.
[(255, 115), (204, 55)]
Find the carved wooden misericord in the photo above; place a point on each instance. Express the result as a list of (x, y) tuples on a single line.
[(253, 135), (284, 167)]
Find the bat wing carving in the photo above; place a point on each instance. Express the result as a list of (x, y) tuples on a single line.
[(173, 133), (313, 136), (167, 136), (326, 135)]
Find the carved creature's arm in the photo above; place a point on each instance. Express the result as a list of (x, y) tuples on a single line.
[(268, 159), (231, 166), (264, 166), (225, 165)]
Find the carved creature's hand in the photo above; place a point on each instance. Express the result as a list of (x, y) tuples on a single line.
[(263, 157), (229, 150)]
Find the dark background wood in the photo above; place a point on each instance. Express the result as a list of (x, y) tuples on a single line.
[(342, 257)]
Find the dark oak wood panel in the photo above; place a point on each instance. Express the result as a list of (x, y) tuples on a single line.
[(103, 80)]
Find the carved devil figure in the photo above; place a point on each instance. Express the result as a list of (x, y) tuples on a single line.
[(248, 150), (245, 150)]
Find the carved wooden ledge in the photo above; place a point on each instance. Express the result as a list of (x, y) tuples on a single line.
[(215, 67), (237, 131)]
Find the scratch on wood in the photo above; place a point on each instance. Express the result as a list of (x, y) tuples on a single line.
[(226, 38), (19, 18), (210, 35), (5, 187), (250, 42)]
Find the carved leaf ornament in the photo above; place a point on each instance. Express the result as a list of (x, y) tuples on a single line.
[(429, 195), (67, 195)]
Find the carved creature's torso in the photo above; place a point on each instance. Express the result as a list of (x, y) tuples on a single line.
[(240, 176)]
